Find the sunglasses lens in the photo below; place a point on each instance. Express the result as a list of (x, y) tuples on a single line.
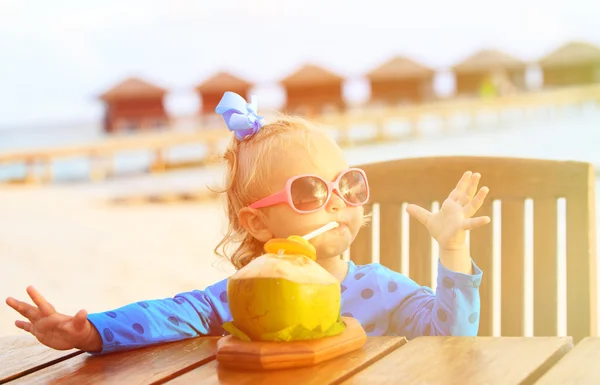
[(308, 193), (353, 187)]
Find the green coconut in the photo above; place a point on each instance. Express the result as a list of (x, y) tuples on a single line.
[(284, 297)]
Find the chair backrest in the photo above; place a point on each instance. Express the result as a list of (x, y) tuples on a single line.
[(555, 198)]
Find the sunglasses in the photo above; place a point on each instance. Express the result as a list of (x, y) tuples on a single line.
[(308, 193)]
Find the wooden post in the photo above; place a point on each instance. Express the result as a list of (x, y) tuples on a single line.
[(47, 175), (345, 136), (99, 168), (212, 150), (30, 176), (382, 136), (159, 164), (444, 117), (414, 125)]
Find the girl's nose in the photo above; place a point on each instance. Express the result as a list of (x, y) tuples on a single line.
[(336, 202)]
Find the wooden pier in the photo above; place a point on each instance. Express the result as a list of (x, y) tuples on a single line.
[(101, 154)]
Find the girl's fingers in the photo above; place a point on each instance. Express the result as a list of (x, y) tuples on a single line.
[(419, 213), (26, 310), (45, 308), (464, 199), (462, 185), (472, 189), (24, 325), (476, 202), (473, 223), (80, 319)]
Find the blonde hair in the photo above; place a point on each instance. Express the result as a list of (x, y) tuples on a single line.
[(246, 180)]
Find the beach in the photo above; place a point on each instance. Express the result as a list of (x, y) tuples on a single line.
[(83, 251)]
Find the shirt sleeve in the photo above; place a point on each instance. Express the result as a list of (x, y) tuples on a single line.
[(189, 314), (453, 310)]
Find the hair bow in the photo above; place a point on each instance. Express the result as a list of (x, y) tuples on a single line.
[(240, 116)]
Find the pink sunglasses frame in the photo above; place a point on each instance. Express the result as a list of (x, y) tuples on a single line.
[(285, 195)]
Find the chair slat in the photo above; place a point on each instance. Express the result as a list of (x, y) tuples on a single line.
[(390, 238), (361, 250), (581, 260), (545, 267), (420, 250), (481, 240), (513, 256)]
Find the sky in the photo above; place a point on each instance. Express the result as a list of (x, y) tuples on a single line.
[(57, 57)]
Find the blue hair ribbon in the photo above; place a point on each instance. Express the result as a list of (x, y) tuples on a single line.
[(240, 116)]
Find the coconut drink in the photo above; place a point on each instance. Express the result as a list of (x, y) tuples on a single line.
[(284, 295)]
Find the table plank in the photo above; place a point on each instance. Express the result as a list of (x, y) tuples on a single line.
[(149, 365), (466, 360), (580, 366), (328, 372), (23, 354)]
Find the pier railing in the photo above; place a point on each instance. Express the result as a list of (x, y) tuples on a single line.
[(100, 155)]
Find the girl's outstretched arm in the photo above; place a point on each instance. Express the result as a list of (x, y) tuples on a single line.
[(190, 314)]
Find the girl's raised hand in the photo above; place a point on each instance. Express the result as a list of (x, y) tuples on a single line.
[(448, 226)]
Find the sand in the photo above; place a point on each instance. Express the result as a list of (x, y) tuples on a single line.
[(82, 252)]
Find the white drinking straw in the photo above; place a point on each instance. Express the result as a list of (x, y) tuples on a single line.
[(321, 230)]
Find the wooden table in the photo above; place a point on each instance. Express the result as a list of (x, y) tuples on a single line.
[(580, 366), (467, 360), (383, 360)]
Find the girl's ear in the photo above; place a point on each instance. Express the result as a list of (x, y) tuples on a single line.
[(253, 221)]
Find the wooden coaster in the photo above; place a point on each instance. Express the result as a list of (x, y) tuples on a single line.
[(266, 355)]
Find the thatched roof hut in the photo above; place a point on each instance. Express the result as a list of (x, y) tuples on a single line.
[(313, 89), (574, 63), (212, 89), (134, 103), (399, 80), (478, 69)]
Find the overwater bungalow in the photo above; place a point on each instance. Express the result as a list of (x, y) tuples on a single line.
[(401, 80), (489, 72), (574, 63), (134, 104), (313, 90)]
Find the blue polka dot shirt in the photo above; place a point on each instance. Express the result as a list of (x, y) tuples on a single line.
[(385, 302)]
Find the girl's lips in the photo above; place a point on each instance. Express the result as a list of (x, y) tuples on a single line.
[(342, 227)]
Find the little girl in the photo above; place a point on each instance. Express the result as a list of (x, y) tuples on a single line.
[(289, 178)]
